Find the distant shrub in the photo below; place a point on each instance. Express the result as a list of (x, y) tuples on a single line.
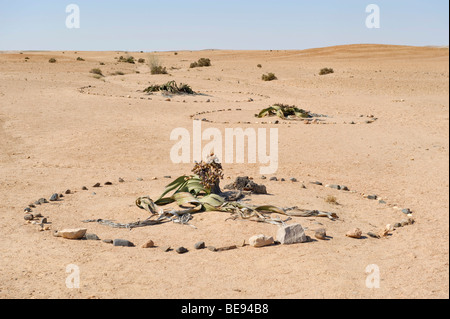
[(96, 71), (158, 70), (201, 63), (80, 59), (128, 59), (269, 77), (141, 60), (175, 53), (325, 71), (52, 60), (27, 58), (331, 200)]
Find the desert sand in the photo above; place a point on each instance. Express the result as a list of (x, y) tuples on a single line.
[(61, 128)]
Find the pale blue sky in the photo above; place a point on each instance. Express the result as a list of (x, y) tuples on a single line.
[(135, 25)]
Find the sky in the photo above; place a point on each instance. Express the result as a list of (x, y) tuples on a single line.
[(135, 25)]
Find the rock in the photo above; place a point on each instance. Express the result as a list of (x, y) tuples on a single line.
[(405, 222), (263, 177), (84, 188), (338, 187), (273, 179), (282, 180), (91, 237), (200, 245), (303, 186), (212, 248), (148, 244), (42, 201), (291, 234), (260, 241), (108, 241), (373, 197), (43, 220), (397, 225), (225, 248), (37, 215), (168, 176), (76, 233), (67, 192), (345, 188), (293, 179), (381, 201), (108, 183), (181, 250), (140, 179), (321, 234), (317, 183), (96, 185), (355, 233), (27, 210), (373, 235), (54, 197), (406, 211), (165, 248), (244, 183), (122, 243), (28, 217), (121, 180)]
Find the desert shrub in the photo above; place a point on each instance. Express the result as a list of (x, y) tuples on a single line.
[(331, 200), (128, 59), (141, 60), (96, 71), (269, 77), (175, 53), (170, 87), (201, 63), (158, 69), (52, 60), (27, 58), (80, 59), (325, 71)]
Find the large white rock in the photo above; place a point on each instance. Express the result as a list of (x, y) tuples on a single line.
[(77, 233), (291, 234), (260, 241)]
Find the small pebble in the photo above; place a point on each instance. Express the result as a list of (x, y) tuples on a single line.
[(406, 211), (37, 215), (227, 248), (84, 188), (96, 185), (273, 179), (200, 245), (122, 243), (181, 250), (67, 192), (212, 248), (293, 179), (317, 183), (355, 233), (27, 210), (373, 235), (121, 180), (54, 197), (167, 176), (108, 241), (321, 234), (373, 197), (397, 225), (283, 180), (140, 179), (263, 177), (165, 248), (148, 244), (91, 237), (108, 183), (28, 217)]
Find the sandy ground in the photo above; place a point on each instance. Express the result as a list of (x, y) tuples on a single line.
[(54, 136)]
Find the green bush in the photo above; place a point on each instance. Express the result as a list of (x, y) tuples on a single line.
[(269, 77)]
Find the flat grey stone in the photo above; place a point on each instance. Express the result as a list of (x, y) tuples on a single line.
[(91, 237), (181, 250), (122, 243), (54, 197)]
